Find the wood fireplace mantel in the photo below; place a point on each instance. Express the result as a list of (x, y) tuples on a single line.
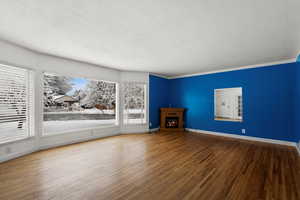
[(171, 119)]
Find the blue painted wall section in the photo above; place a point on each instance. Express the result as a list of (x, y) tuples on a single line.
[(271, 101), (158, 97), (267, 101)]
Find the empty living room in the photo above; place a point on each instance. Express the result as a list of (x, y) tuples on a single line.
[(140, 99)]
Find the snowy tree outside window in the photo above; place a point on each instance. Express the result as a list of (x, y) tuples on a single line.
[(77, 103), (134, 99)]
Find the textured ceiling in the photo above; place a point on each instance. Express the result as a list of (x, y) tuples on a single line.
[(168, 37)]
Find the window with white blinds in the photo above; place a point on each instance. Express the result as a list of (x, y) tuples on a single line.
[(134, 102), (15, 99)]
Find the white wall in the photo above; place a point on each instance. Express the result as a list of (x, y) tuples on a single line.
[(18, 56), (294, 23)]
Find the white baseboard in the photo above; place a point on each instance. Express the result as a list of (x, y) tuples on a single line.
[(281, 142), (49, 146), (153, 129), (16, 155), (298, 149)]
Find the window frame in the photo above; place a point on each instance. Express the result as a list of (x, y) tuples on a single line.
[(235, 118), (58, 133), (146, 100)]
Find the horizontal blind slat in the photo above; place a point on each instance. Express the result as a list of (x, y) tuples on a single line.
[(13, 103)]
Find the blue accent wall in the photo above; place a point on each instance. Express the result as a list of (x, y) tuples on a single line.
[(267, 101), (271, 101), (158, 97)]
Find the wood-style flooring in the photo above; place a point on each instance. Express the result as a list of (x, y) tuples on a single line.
[(155, 166)]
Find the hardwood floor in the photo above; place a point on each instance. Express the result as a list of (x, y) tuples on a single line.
[(155, 166)]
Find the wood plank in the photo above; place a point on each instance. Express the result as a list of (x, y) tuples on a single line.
[(182, 165)]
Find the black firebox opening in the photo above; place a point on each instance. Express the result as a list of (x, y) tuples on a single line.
[(172, 122)]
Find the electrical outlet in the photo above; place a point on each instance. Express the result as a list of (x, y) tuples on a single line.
[(244, 131), (150, 124)]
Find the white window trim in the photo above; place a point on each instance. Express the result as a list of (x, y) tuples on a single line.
[(68, 132), (146, 102)]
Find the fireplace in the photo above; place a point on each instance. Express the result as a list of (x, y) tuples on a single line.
[(172, 122), (171, 119)]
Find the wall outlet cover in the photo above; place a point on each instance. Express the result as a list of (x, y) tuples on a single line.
[(244, 131)]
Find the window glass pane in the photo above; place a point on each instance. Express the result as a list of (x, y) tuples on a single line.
[(134, 95), (14, 103), (229, 104), (77, 103)]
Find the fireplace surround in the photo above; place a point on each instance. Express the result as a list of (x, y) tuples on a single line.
[(171, 119)]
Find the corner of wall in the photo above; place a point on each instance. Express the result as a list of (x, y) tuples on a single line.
[(296, 103)]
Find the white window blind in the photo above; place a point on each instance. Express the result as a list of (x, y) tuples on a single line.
[(134, 102), (15, 98)]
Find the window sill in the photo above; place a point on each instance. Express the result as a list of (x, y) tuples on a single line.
[(228, 120)]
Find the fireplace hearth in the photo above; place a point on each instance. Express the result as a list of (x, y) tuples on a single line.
[(171, 119)]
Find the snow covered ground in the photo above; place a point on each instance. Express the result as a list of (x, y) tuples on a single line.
[(97, 111), (134, 121), (133, 111), (56, 127), (85, 111)]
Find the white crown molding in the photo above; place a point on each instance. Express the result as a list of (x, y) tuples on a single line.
[(281, 142), (161, 76), (269, 64)]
